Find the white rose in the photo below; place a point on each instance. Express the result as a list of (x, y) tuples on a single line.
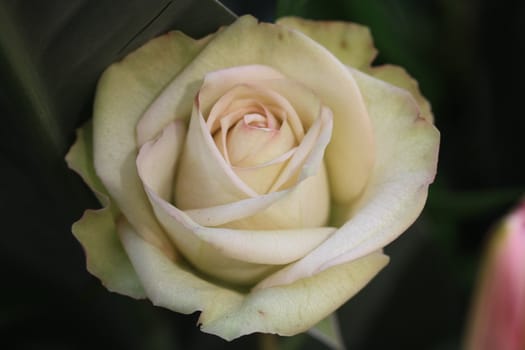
[(254, 175)]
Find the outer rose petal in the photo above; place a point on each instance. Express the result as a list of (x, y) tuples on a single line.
[(96, 231), (399, 77), (124, 92), (294, 54), (105, 257), (353, 45), (285, 310), (407, 148)]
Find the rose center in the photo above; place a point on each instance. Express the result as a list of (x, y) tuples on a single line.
[(256, 120), (255, 130)]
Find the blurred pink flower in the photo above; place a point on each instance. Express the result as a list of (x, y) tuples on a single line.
[(498, 315)]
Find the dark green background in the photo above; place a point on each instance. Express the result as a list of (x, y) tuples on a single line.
[(468, 57)]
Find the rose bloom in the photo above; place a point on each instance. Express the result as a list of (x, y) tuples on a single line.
[(255, 174)]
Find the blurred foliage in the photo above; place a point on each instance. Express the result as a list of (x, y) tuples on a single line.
[(468, 57)]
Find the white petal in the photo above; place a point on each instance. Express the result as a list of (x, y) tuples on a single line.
[(204, 178), (217, 82), (226, 213), (248, 94), (308, 157), (259, 155), (171, 283), (241, 247), (250, 146), (306, 205), (157, 159)]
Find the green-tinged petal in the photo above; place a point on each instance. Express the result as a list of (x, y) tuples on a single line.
[(124, 92), (399, 77), (294, 308), (80, 159), (285, 310), (351, 43), (105, 257), (407, 149), (96, 230), (247, 42), (170, 283), (328, 332)]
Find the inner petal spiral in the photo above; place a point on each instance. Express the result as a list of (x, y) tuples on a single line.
[(250, 127), (253, 131)]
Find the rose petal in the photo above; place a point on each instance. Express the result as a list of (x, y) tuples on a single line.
[(250, 146), (242, 94), (124, 92), (260, 178), (226, 213), (80, 159), (294, 308), (306, 205), (351, 43), (303, 100), (274, 247), (284, 310), (308, 157), (260, 155), (157, 159), (399, 77), (204, 178), (105, 257), (218, 82), (406, 164), (248, 42), (171, 283)]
